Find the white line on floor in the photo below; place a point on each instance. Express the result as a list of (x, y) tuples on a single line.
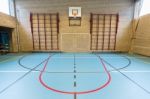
[(134, 71)]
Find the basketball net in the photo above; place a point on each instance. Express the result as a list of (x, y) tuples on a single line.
[(75, 15)]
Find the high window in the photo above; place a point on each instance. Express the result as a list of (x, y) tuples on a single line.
[(4, 6), (145, 7)]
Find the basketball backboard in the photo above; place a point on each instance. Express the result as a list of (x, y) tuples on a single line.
[(74, 11)]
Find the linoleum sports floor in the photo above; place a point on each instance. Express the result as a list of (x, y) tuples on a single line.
[(74, 76)]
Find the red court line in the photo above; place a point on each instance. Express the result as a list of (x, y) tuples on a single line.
[(81, 92)]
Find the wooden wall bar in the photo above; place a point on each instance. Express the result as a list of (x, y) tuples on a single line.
[(123, 7), (103, 31), (45, 29)]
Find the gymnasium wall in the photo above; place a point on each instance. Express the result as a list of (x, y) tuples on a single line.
[(7, 21), (75, 38), (141, 39), (10, 22)]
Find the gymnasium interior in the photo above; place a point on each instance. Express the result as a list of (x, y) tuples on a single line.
[(74, 49)]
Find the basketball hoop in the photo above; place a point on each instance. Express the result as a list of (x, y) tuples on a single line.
[(74, 15), (74, 12)]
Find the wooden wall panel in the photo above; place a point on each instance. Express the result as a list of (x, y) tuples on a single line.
[(141, 41), (75, 42), (123, 7), (10, 22), (7, 21)]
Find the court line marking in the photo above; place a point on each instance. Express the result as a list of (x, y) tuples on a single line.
[(128, 71), (89, 57), (80, 92), (75, 76), (137, 58), (133, 71), (9, 59), (121, 68), (134, 82), (10, 85)]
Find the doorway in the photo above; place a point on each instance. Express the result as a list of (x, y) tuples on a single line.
[(5, 39)]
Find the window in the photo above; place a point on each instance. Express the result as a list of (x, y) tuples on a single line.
[(145, 7), (4, 6)]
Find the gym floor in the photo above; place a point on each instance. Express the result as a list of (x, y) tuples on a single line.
[(74, 76)]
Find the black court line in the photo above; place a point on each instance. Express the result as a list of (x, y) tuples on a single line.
[(122, 67), (2, 59), (129, 62), (10, 85), (75, 84), (74, 57), (75, 96), (75, 71), (134, 82), (75, 76), (142, 58)]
